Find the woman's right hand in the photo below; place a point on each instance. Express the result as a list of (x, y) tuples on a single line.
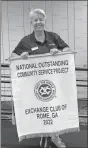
[(24, 55)]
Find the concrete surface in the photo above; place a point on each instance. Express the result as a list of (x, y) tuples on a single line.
[(9, 138)]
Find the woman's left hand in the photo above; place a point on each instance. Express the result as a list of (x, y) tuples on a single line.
[(54, 51)]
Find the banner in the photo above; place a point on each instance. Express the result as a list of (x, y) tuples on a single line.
[(45, 95)]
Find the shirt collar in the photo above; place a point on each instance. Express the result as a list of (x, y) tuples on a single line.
[(34, 39)]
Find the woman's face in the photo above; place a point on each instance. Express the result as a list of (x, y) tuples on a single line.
[(38, 22)]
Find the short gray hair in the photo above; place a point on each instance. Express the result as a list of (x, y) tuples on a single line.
[(36, 11)]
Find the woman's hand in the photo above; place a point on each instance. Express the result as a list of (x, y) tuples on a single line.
[(24, 55), (54, 51), (67, 49)]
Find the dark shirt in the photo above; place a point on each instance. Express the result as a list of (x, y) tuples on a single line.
[(32, 46)]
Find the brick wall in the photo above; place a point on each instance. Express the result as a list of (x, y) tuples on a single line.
[(81, 32)]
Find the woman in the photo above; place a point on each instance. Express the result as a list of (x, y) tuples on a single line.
[(40, 42)]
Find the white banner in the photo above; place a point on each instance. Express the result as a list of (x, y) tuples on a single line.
[(45, 95)]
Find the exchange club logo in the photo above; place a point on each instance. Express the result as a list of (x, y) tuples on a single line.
[(45, 90)]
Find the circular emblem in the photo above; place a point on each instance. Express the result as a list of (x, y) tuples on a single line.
[(45, 90)]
